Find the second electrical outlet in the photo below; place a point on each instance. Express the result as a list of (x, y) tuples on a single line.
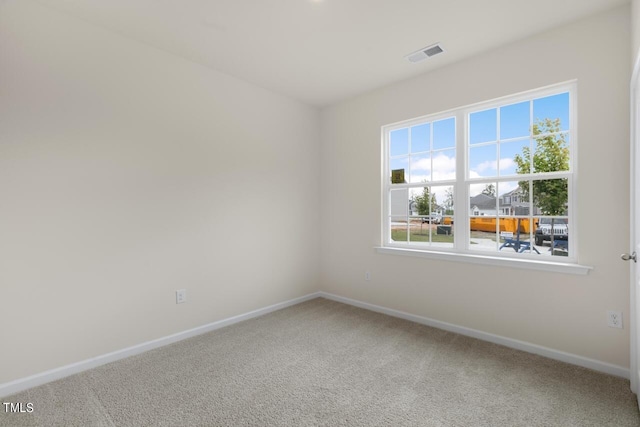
[(181, 296), (614, 319)]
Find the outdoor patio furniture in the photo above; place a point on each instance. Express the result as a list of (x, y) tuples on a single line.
[(518, 245), (560, 244)]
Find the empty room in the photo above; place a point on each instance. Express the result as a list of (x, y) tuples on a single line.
[(319, 213)]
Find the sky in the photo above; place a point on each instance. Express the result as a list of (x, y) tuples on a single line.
[(427, 151)]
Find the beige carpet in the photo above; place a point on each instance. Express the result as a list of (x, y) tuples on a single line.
[(326, 363)]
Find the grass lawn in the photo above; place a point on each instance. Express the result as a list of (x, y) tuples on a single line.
[(420, 236)]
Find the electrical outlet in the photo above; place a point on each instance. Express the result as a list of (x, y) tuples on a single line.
[(367, 275), (614, 319), (181, 296)]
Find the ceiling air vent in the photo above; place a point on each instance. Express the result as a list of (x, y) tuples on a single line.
[(425, 52)]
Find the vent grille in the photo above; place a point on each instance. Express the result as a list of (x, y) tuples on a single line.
[(424, 53), (433, 51)]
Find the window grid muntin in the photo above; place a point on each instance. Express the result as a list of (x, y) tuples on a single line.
[(409, 125)]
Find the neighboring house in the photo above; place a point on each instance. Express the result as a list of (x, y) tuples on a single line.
[(482, 204), (514, 203), (413, 208), (511, 203)]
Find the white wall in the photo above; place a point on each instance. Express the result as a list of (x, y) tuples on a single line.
[(635, 29), (563, 312), (127, 173)]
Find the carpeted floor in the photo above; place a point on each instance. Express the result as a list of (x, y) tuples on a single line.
[(330, 364)]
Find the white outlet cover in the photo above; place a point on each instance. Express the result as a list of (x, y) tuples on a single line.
[(181, 296), (614, 319)]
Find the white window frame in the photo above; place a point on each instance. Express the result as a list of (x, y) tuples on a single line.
[(461, 250)]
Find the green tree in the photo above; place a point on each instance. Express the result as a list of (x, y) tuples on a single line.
[(551, 154), (489, 190), (426, 202), (448, 202)]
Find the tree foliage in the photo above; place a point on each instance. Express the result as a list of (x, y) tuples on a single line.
[(489, 190), (551, 154), (448, 202), (426, 202)]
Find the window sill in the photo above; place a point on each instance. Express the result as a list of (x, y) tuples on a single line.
[(557, 267)]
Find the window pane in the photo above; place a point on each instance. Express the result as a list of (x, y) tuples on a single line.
[(551, 205), (444, 165), (442, 218), (420, 168), (512, 199), (482, 201), (399, 142), (399, 170), (552, 236), (422, 204), (420, 138), (482, 126), (551, 153), (483, 161), (398, 227), (445, 198), (482, 221), (421, 201), (551, 197), (420, 230), (508, 153), (431, 220), (399, 202), (444, 133), (515, 120), (515, 236), (514, 223), (554, 107)]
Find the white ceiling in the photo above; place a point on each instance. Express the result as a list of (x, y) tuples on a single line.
[(323, 51)]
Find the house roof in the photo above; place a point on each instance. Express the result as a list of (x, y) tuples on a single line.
[(483, 201)]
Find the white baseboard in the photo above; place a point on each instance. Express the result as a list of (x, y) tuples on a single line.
[(573, 359), (21, 384)]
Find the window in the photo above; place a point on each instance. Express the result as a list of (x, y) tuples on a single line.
[(494, 178)]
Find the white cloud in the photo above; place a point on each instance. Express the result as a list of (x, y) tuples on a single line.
[(505, 187), (422, 164), (444, 167), (441, 193), (475, 189), (420, 178), (489, 164), (506, 163)]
